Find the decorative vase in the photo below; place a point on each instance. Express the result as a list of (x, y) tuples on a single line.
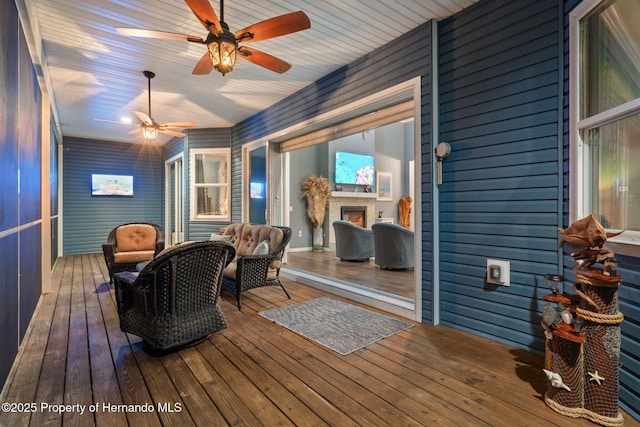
[(318, 240)]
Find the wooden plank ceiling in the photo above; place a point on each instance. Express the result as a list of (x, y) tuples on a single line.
[(92, 72)]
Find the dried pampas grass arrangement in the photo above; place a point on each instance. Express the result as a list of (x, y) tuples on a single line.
[(316, 190)]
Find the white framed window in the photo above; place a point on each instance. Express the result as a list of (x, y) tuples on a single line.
[(605, 117), (209, 177)]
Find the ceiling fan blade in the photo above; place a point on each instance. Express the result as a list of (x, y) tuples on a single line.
[(204, 65), (180, 125), (274, 27), (144, 118), (205, 14), (171, 132), (264, 60), (137, 130), (153, 34)]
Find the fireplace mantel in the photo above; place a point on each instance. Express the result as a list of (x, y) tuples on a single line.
[(354, 194), (339, 199)]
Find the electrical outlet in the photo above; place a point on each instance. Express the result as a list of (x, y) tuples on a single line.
[(498, 272), (299, 233)]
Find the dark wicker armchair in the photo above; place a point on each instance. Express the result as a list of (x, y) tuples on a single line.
[(254, 271), (173, 302), (129, 244)]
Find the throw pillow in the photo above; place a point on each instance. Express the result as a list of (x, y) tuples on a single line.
[(223, 237), (262, 248)]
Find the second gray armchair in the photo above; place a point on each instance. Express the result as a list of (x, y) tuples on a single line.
[(393, 246)]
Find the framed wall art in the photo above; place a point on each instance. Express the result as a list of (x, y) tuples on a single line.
[(383, 186)]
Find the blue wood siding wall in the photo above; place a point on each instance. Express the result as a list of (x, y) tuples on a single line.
[(629, 293), (206, 138), (383, 68), (88, 220), (173, 147), (499, 110), (20, 210)]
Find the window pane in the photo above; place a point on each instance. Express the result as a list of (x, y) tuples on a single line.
[(615, 183), (211, 200), (611, 48), (211, 169)]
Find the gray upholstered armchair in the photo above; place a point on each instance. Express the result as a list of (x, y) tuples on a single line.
[(353, 243), (173, 302), (393, 246)]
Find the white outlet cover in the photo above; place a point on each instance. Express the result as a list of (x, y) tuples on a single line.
[(505, 272)]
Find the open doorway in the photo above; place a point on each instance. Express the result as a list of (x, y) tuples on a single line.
[(389, 124), (256, 183), (174, 207)]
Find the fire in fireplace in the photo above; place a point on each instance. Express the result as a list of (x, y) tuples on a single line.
[(354, 214)]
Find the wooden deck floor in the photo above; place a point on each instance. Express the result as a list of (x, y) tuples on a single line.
[(256, 373)]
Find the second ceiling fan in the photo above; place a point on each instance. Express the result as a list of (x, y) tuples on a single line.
[(149, 127), (223, 45)]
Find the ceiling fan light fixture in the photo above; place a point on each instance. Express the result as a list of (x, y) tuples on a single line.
[(149, 132), (222, 51)]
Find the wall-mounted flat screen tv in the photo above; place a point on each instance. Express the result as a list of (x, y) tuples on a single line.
[(256, 190), (111, 185), (352, 168)]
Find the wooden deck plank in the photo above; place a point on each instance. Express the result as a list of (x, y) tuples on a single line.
[(312, 400), (52, 376), (104, 380), (286, 401), (258, 373), (196, 401), (225, 396), (130, 380), (77, 390), (366, 409), (404, 396), (31, 359), (253, 399), (164, 397)]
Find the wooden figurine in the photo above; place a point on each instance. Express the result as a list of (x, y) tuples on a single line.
[(404, 210)]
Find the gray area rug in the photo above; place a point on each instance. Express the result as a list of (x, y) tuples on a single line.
[(337, 325)]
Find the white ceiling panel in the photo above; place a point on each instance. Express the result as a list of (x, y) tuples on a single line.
[(94, 73)]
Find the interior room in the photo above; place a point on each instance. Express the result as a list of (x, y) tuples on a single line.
[(477, 155)]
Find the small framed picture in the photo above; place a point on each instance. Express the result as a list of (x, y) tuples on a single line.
[(383, 186)]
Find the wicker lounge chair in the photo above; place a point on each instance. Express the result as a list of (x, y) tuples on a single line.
[(250, 270), (173, 301)]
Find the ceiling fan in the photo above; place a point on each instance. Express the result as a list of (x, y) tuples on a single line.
[(148, 127), (223, 45)]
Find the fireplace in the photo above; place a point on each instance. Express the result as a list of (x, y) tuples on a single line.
[(362, 202), (354, 214)]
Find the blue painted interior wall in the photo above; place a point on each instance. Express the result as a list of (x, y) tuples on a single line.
[(88, 220), (20, 212)]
